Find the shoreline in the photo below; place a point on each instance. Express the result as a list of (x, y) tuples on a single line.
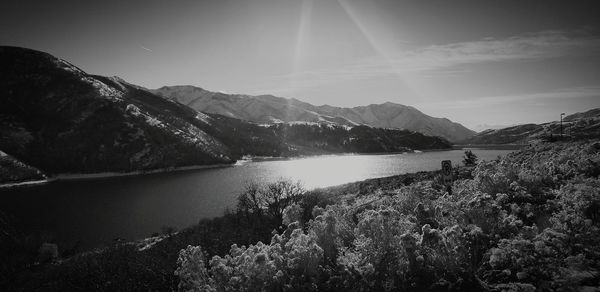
[(413, 151), (110, 174), (245, 159), (271, 158), (490, 146), (28, 183)]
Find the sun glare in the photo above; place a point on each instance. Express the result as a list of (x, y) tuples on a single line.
[(301, 41), (326, 170)]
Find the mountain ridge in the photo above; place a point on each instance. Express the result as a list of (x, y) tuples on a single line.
[(269, 109)]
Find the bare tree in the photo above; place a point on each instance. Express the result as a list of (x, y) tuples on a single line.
[(250, 201), (270, 198), (280, 194)]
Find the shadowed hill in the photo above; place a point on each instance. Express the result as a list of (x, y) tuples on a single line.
[(61, 119)]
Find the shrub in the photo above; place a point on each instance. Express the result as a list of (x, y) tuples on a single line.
[(470, 158), (191, 270), (529, 221)]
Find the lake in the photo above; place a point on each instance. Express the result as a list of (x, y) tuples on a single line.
[(97, 211)]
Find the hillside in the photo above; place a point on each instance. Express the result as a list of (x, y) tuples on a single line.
[(591, 114), (270, 109), (293, 139), (576, 126), (60, 119)]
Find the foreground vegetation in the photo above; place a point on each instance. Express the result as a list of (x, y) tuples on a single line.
[(528, 221)]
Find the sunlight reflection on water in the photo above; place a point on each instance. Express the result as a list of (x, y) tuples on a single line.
[(328, 170)]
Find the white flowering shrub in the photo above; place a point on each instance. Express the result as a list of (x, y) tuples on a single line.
[(191, 270), (377, 253), (333, 230), (292, 213), (290, 261), (527, 222)]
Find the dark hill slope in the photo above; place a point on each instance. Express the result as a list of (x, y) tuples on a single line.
[(58, 118)]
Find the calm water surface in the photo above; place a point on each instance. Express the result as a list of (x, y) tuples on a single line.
[(97, 211)]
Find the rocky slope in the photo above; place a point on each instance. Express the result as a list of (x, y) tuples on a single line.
[(269, 109), (576, 126)]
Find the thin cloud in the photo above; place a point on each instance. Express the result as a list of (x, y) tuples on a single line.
[(144, 48), (541, 45), (489, 101), (445, 58)]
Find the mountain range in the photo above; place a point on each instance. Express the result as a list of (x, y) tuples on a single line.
[(272, 109), (59, 119), (576, 126)]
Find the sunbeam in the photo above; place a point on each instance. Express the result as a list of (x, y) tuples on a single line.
[(302, 40), (373, 42), (381, 46), (300, 49)]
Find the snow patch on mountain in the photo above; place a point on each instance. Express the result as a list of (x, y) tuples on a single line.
[(203, 117), (303, 123), (62, 64), (103, 89), (119, 82), (273, 120), (133, 110), (154, 121)]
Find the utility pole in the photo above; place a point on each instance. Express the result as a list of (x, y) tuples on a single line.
[(561, 127)]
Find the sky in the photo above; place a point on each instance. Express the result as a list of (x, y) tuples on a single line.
[(475, 62)]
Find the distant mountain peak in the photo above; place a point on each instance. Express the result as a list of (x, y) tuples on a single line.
[(268, 108)]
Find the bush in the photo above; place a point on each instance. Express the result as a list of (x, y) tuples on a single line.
[(470, 158), (269, 199)]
